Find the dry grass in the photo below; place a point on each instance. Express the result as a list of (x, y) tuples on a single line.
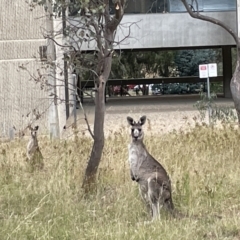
[(204, 165)]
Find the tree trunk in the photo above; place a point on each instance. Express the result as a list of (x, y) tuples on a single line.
[(105, 40), (98, 144), (235, 86)]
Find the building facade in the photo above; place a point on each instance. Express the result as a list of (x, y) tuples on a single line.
[(150, 24), (165, 24), (20, 39)]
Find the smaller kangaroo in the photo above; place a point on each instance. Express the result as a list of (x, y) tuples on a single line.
[(34, 154), (153, 180)]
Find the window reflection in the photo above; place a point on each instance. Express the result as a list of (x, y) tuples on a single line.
[(158, 6), (164, 6), (219, 5), (204, 5), (143, 6)]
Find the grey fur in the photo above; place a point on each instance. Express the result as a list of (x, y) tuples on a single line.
[(34, 154), (154, 182)]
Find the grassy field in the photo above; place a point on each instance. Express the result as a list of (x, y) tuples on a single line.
[(204, 166)]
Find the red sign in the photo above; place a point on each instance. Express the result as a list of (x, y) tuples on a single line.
[(203, 71)]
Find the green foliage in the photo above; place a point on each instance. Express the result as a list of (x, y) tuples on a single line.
[(141, 64), (84, 65), (73, 5), (218, 113), (187, 61), (216, 87)]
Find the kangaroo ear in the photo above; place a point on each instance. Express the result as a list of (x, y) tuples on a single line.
[(142, 120), (130, 121)]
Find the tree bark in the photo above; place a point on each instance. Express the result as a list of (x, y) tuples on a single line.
[(98, 144), (235, 86), (105, 47)]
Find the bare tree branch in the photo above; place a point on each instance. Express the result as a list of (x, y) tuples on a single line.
[(197, 15), (65, 46), (37, 116), (98, 36), (119, 11), (86, 119)]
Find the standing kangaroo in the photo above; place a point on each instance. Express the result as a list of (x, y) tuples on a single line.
[(153, 180), (34, 154)]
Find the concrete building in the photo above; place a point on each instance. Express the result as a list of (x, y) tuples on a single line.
[(20, 39), (165, 24)]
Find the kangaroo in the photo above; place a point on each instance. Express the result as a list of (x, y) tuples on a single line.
[(154, 182), (34, 154)]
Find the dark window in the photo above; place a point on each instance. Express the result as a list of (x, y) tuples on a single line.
[(144, 6), (163, 6), (74, 7), (158, 6), (43, 52), (219, 5), (177, 5), (204, 5)]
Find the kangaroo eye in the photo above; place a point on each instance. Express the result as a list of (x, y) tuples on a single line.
[(139, 129)]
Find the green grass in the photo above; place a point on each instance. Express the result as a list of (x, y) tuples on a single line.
[(204, 165)]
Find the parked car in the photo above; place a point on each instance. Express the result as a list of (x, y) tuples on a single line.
[(156, 91), (120, 90), (131, 87)]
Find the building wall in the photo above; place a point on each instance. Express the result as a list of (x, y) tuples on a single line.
[(20, 38), (171, 30), (175, 30)]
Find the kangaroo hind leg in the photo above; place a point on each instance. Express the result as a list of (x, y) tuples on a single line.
[(143, 189), (166, 197), (154, 195)]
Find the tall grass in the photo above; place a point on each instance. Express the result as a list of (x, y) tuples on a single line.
[(204, 165)]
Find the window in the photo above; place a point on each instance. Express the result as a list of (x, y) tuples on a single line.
[(163, 6), (204, 5), (177, 5), (144, 6), (158, 6), (219, 5)]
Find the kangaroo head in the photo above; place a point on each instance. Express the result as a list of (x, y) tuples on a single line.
[(34, 132), (136, 130)]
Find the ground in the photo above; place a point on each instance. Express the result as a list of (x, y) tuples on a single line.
[(165, 112), (203, 164)]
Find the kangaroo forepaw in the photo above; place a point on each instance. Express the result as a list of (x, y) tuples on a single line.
[(135, 179)]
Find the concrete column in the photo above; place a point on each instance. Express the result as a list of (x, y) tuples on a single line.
[(60, 75), (80, 89), (227, 70), (51, 56), (71, 92)]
